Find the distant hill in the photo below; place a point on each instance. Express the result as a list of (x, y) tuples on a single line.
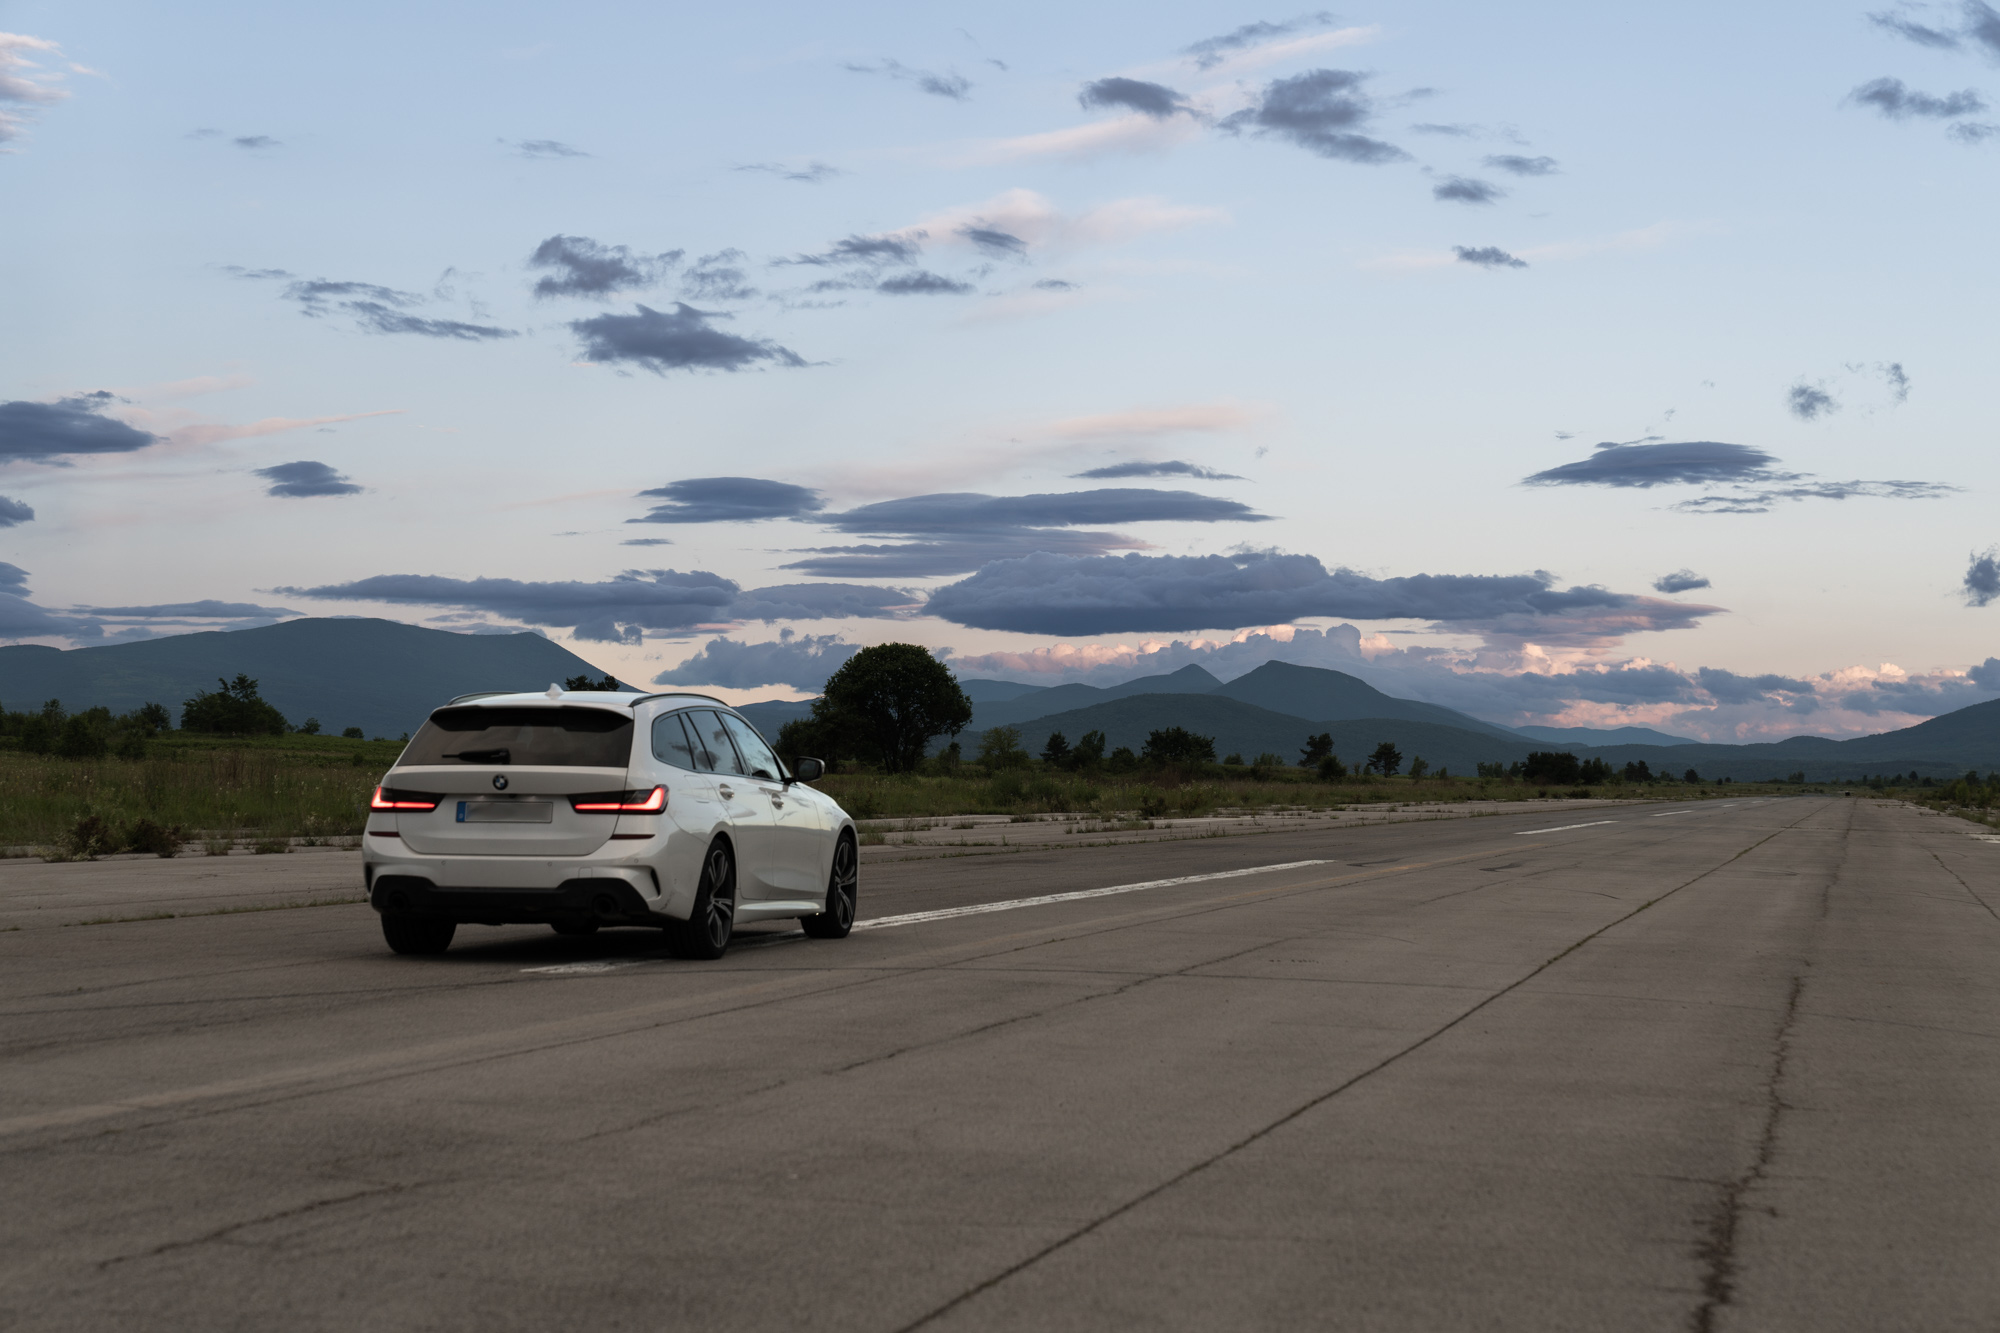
[(380, 675), (772, 714), (1062, 698), (1604, 736), (1323, 695), (996, 691)]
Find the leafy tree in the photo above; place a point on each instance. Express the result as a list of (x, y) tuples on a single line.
[(1552, 766), (1691, 777), (1330, 768), (354, 734), (1232, 761), (889, 702), (151, 718), (1055, 752), (1122, 760), (1594, 770), (584, 682), (1386, 760), (1419, 766), (1492, 770), (1000, 747), (80, 740), (1089, 751), (1637, 771), (309, 727), (1178, 745), (1316, 748), (1268, 759), (234, 710)]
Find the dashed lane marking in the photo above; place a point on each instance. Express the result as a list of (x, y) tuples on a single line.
[(1564, 828)]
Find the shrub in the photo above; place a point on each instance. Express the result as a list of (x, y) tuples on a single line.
[(146, 836), (1178, 745), (87, 839), (234, 710), (1000, 747), (1330, 768), (354, 734), (1551, 766)]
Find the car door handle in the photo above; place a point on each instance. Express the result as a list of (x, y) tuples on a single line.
[(727, 791)]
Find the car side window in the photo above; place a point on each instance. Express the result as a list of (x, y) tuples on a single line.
[(671, 744), (712, 742), (757, 756)]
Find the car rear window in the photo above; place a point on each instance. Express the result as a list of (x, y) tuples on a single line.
[(546, 737)]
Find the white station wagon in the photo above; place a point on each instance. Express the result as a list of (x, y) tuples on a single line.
[(586, 808)]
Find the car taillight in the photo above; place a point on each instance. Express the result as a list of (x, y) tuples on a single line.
[(620, 802), (388, 798)]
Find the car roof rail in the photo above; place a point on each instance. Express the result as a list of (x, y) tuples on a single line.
[(481, 694), (678, 694)]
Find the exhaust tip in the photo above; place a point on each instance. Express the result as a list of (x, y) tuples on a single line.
[(605, 906)]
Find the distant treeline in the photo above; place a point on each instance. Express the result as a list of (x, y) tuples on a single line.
[(233, 708)]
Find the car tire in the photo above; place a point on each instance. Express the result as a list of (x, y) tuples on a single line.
[(411, 934), (705, 934), (843, 884), (573, 927)]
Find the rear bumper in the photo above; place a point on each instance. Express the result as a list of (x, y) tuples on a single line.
[(605, 900)]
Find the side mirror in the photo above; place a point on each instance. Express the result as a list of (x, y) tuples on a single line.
[(808, 770)]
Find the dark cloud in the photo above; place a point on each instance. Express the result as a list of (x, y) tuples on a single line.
[(647, 541), (1726, 687), (729, 500), (993, 242), (1987, 674), (922, 283), (680, 339), (1322, 111), (1982, 25), (621, 609), (1148, 99), (1067, 595), (583, 267), (373, 317), (1523, 166), (718, 277), (203, 610), (46, 432), (1172, 469), (952, 85), (1681, 580), (866, 251), (306, 478), (314, 294), (1487, 256), (379, 309), (13, 513), (546, 148), (812, 173), (1212, 51), (1982, 581), (1455, 131), (801, 661), (963, 532), (1466, 190), (1973, 132), (1694, 462), (256, 141), (1809, 402), (1916, 32), (1760, 501), (255, 274), (1897, 102), (1056, 285)]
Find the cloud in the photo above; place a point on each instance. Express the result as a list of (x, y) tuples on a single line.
[(1057, 285), (1136, 133), (583, 267), (729, 500), (22, 83), (867, 251), (1897, 102), (256, 141), (48, 432), (545, 148), (1144, 422), (1148, 99), (374, 317), (1487, 256), (922, 283), (1035, 220), (1809, 403), (646, 541), (620, 609), (680, 339), (1693, 462), (375, 308), (1523, 166), (1681, 580), (1454, 131), (812, 173), (1982, 580), (305, 478), (1934, 38), (1172, 469), (1466, 190), (1973, 132), (953, 86), (1321, 111), (13, 513), (1898, 382), (1070, 595), (1002, 244), (801, 661), (1760, 501), (202, 610), (1729, 688), (717, 277), (1212, 51)]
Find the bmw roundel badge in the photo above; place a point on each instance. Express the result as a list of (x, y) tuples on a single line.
[(499, 782)]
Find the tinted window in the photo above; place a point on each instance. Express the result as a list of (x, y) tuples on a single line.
[(671, 745), (712, 742), (550, 737), (757, 756)]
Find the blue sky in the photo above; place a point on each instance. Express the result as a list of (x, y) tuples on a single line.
[(837, 308)]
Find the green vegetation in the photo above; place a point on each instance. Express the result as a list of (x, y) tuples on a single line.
[(884, 706), (1969, 797)]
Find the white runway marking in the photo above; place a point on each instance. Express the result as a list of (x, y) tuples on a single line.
[(1011, 904), (1664, 813), (1564, 828)]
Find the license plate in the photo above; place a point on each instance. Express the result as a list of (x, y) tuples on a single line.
[(506, 812)]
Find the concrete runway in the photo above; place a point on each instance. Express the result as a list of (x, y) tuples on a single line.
[(1731, 1066)]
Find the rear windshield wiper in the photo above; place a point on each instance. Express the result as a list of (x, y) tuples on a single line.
[(500, 756)]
